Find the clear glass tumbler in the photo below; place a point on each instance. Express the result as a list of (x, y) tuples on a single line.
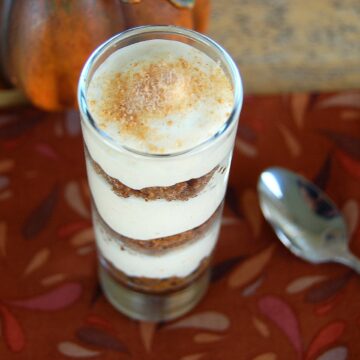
[(147, 269)]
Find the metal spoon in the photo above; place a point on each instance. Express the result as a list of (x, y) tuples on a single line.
[(304, 218)]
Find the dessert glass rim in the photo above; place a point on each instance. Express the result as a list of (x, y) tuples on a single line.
[(233, 70)]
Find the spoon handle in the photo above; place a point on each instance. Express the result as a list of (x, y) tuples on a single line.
[(351, 260)]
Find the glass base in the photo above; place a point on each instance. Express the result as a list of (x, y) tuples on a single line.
[(153, 307)]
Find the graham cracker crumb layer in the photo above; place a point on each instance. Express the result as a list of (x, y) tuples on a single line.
[(154, 285), (163, 244), (181, 191)]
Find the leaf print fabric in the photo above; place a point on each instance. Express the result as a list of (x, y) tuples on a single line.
[(263, 303), (250, 268), (12, 330), (55, 299), (284, 317), (39, 218), (328, 335)]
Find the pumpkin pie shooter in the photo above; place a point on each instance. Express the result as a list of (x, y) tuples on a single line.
[(159, 107)]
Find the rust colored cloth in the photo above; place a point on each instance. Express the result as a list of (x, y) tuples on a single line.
[(263, 302)]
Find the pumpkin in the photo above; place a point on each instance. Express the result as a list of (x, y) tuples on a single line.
[(48, 41)]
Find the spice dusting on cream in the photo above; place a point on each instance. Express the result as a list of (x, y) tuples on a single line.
[(160, 96)]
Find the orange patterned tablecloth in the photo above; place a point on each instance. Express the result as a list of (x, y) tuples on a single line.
[(263, 303)]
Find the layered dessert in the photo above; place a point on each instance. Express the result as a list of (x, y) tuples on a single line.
[(158, 161)]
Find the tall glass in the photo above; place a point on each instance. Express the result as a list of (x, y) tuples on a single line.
[(157, 216)]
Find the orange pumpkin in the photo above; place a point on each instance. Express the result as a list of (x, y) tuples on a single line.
[(48, 41)]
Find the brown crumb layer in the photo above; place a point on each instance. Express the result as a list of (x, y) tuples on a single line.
[(163, 243), (180, 191), (154, 285)]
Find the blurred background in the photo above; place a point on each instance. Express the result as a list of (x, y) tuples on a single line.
[(291, 45), (279, 45)]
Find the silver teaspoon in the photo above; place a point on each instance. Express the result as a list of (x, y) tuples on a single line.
[(304, 218)]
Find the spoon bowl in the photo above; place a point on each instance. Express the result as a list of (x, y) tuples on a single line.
[(304, 218)]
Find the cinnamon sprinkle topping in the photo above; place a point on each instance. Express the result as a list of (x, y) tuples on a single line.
[(135, 98)]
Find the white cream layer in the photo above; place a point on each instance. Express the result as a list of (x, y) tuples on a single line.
[(145, 220), (179, 262), (185, 123), (138, 172)]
